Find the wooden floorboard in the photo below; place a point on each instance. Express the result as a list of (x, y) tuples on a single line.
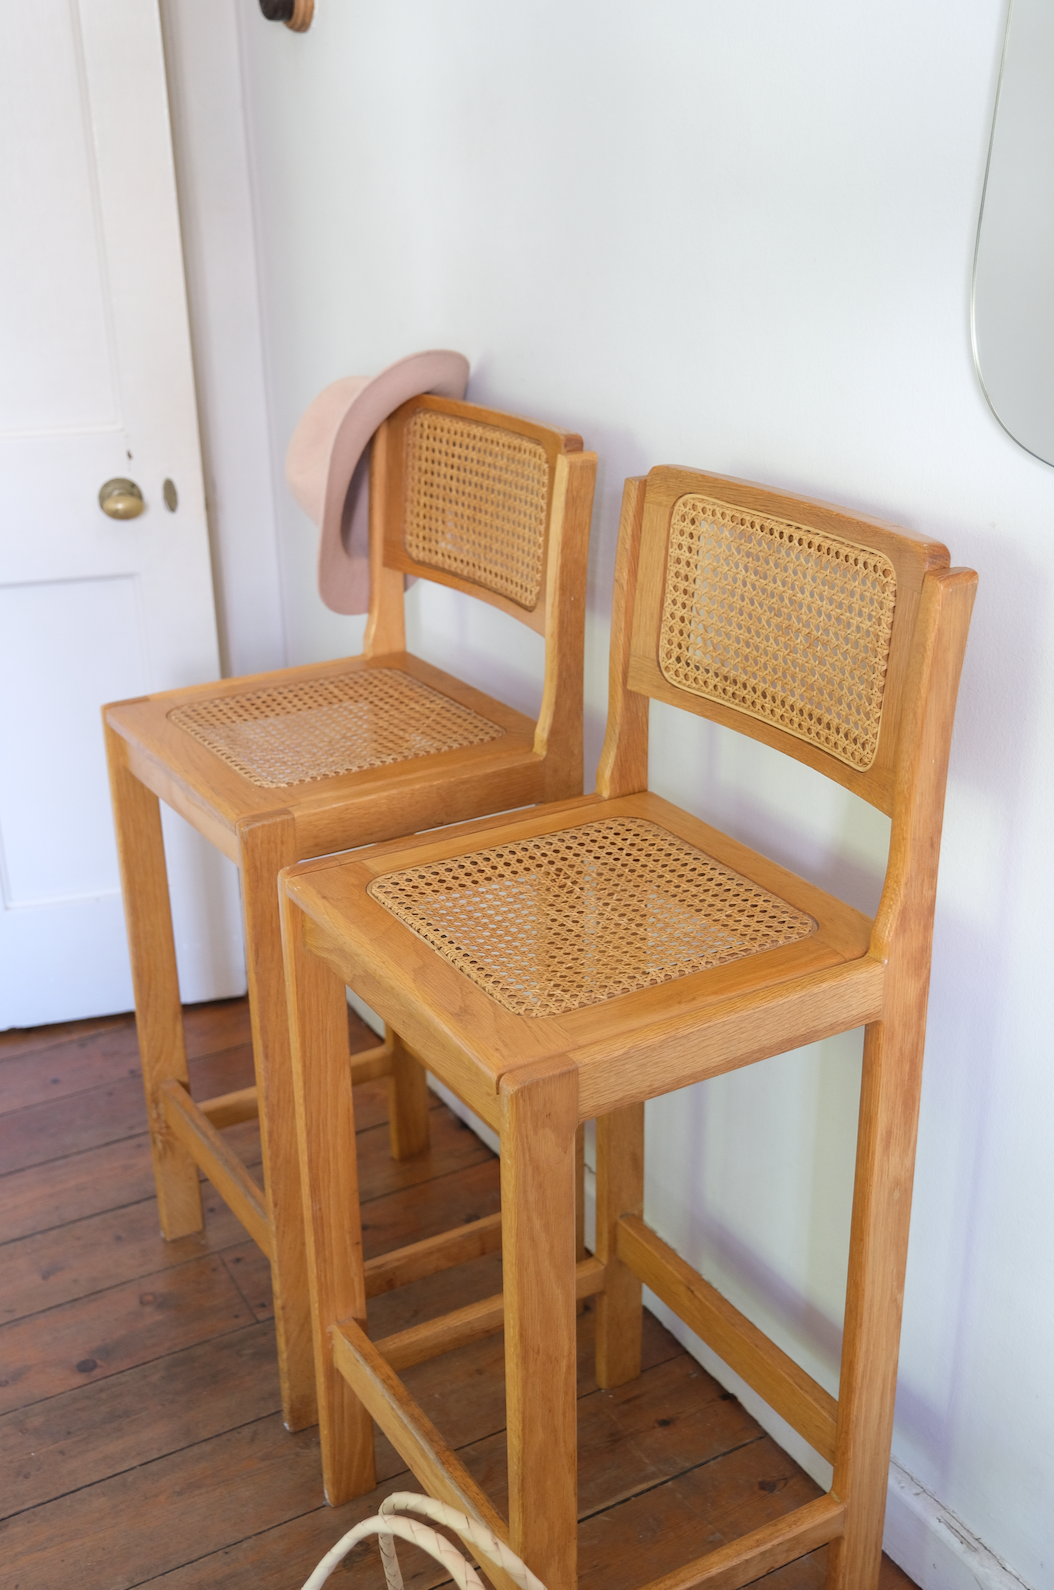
[(141, 1442)]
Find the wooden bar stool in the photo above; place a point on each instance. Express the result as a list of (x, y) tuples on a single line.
[(571, 962), (308, 760)]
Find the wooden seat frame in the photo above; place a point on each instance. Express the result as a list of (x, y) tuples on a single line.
[(264, 830), (534, 1080)]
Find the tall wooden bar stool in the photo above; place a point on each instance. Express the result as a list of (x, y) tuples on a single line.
[(280, 766), (571, 962)]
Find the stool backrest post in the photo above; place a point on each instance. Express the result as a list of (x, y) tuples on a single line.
[(386, 624), (623, 768), (558, 735), (905, 914)]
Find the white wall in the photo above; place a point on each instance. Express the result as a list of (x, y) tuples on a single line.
[(737, 236)]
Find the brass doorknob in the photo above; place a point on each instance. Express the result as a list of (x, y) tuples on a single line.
[(121, 499)]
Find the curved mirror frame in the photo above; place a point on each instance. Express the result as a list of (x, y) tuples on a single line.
[(1013, 286)]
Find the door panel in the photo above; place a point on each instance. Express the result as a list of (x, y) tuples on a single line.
[(58, 371), (57, 848), (96, 382)]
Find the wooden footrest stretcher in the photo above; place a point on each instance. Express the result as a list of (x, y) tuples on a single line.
[(198, 1125), (369, 1368)]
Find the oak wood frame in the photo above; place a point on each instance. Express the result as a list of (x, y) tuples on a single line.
[(263, 831), (536, 1080)]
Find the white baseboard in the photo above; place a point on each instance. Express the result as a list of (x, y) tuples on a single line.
[(934, 1547)]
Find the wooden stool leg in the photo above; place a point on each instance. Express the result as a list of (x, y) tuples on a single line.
[(268, 845), (581, 1251), (539, 1114), (155, 981), (325, 1118), (885, 1160), (620, 1191), (408, 1112)]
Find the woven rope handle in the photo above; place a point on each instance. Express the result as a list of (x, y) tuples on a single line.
[(462, 1573), (487, 1543), (386, 1526)]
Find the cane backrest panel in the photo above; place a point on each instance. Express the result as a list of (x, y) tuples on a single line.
[(321, 728), (785, 619), (475, 503), (471, 498), (568, 919), (780, 621)]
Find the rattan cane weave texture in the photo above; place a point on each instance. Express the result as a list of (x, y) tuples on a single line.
[(476, 500), (569, 919), (294, 734), (786, 624)]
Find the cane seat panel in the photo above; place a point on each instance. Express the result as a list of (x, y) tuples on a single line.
[(476, 503), (788, 624), (321, 728), (571, 918)]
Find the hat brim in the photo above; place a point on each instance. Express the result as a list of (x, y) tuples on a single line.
[(326, 463)]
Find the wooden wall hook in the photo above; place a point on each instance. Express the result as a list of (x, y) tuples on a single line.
[(296, 14)]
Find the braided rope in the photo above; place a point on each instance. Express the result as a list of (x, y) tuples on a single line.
[(468, 1528), (463, 1575), (386, 1527)]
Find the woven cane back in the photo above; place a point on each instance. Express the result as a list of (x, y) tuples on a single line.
[(293, 734), (475, 503), (571, 918), (780, 621)]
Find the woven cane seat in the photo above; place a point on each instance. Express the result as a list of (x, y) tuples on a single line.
[(292, 734), (782, 622), (568, 919), (476, 503)]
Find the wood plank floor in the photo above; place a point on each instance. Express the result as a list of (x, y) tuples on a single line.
[(140, 1439)]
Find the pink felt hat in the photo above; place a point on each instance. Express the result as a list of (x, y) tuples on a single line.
[(327, 465)]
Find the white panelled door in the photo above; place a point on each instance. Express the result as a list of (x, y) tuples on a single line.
[(95, 383)]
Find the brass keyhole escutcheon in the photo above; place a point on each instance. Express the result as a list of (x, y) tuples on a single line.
[(121, 499)]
